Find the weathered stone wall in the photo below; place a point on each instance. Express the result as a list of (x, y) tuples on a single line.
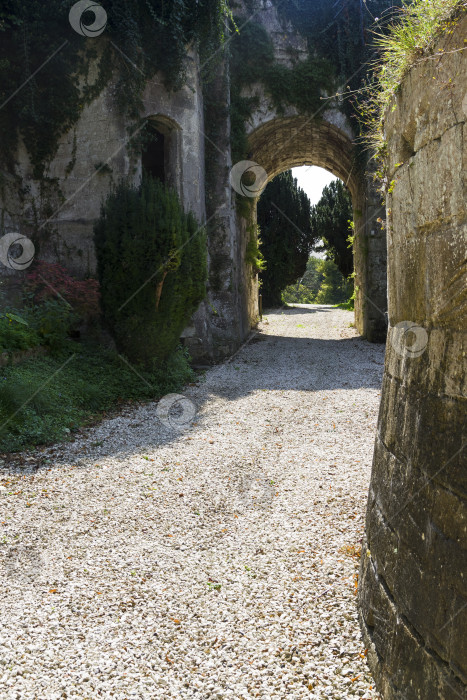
[(370, 261), (64, 231), (222, 322), (59, 212), (413, 584)]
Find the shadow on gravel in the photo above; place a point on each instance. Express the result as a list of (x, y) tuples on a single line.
[(303, 364), (267, 363)]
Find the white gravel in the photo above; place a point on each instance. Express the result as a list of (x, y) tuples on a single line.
[(214, 562)]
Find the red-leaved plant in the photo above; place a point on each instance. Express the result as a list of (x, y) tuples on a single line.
[(51, 281)]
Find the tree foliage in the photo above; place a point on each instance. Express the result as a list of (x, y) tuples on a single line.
[(330, 221), (334, 288), (152, 269), (322, 283), (286, 234)]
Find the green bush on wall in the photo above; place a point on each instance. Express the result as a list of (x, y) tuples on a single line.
[(152, 267)]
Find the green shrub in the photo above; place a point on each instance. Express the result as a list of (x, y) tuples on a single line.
[(16, 333), (53, 320), (54, 305), (298, 294), (42, 400), (152, 269), (335, 289), (47, 324), (348, 305), (322, 283)]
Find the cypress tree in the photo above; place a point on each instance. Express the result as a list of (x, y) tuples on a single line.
[(151, 260), (286, 235), (330, 221)]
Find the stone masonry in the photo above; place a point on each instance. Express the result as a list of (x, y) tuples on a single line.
[(413, 584)]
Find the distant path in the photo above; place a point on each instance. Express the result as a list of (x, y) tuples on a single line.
[(215, 562)]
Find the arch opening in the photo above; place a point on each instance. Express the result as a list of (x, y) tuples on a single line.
[(303, 218), (160, 152), (290, 142), (284, 143), (153, 155)]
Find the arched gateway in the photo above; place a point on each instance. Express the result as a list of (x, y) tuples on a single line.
[(277, 143), (277, 140), (287, 142)]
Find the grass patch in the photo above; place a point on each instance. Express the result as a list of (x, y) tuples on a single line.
[(408, 41), (346, 306), (44, 400)]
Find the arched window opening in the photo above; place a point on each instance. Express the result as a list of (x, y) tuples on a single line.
[(153, 155), (160, 154)]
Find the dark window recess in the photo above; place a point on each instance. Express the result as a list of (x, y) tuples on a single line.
[(153, 156)]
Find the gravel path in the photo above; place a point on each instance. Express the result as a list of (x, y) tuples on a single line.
[(217, 561)]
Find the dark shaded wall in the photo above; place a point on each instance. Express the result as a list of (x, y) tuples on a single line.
[(413, 583)]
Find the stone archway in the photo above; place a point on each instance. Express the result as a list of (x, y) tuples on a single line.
[(291, 141), (277, 143), (279, 138)]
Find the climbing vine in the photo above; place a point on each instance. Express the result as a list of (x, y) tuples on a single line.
[(253, 254), (343, 31), (48, 72), (253, 62)]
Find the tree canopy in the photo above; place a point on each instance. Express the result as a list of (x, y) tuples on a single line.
[(330, 222), (287, 237), (322, 283)]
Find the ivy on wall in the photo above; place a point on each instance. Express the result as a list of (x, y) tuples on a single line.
[(343, 31), (342, 51), (45, 65), (252, 61), (41, 106)]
